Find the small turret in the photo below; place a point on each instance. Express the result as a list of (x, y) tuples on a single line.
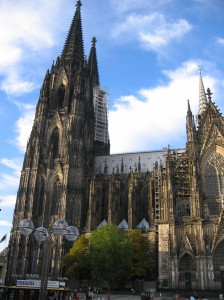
[(190, 124)]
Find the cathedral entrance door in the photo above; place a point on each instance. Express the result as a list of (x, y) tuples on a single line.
[(188, 283)]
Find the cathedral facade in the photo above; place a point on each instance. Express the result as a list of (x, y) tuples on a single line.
[(175, 196)]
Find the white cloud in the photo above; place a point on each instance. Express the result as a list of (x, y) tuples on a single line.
[(153, 30), (220, 41), (165, 34), (12, 164), (27, 30), (125, 5), (5, 224), (24, 125), (156, 117), (9, 181), (8, 200), (14, 85)]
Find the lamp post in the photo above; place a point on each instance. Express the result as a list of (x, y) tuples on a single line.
[(59, 228)]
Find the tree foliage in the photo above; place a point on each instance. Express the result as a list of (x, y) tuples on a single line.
[(141, 260), (110, 253), (77, 262)]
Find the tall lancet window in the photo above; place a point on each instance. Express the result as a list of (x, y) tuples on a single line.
[(55, 143), (56, 197), (41, 198), (214, 175), (61, 96)]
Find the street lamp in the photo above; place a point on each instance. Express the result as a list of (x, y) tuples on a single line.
[(59, 228)]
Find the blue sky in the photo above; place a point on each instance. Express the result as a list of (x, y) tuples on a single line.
[(148, 56)]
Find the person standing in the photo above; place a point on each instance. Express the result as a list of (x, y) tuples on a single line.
[(176, 296), (52, 295)]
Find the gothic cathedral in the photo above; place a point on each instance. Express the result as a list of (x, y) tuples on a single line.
[(174, 196)]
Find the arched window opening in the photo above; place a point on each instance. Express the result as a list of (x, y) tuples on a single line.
[(187, 268), (211, 180), (55, 143), (70, 99), (61, 96), (183, 207), (187, 263), (41, 198), (214, 183), (214, 175), (56, 195)]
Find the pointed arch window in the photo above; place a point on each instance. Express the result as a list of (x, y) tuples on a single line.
[(70, 99), (55, 197), (55, 143), (187, 263), (61, 96), (187, 267), (214, 175), (41, 198), (211, 179), (183, 207)]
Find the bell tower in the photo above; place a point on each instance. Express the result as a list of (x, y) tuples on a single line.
[(59, 159)]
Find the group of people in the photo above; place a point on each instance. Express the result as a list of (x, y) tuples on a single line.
[(52, 295), (89, 295), (74, 295), (188, 297)]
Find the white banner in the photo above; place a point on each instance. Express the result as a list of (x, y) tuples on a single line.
[(36, 283)]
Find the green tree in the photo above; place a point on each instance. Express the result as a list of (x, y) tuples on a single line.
[(110, 253), (77, 261), (141, 259)]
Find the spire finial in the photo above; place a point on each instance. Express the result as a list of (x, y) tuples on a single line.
[(79, 4), (94, 41), (199, 69), (209, 94)]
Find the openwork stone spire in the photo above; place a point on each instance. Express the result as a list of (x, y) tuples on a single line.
[(202, 94), (73, 52)]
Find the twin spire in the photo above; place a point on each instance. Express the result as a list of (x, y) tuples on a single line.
[(73, 55)]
